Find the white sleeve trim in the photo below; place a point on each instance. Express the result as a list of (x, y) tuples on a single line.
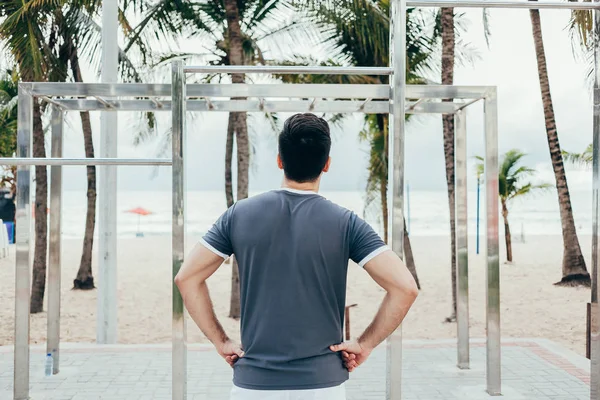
[(372, 255), (211, 248)]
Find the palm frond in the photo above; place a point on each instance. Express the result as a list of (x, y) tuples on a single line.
[(87, 34), (581, 28), (581, 159), (512, 177), (487, 30), (23, 32)]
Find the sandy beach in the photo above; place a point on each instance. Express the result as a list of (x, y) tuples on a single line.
[(531, 306)]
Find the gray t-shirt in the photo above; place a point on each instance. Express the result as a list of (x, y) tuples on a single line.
[(292, 249)]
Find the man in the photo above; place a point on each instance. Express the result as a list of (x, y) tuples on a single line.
[(293, 247)]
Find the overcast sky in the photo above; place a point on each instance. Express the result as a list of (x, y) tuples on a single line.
[(509, 64)]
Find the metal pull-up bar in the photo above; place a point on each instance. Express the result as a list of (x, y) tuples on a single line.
[(504, 4), (37, 161), (262, 69)]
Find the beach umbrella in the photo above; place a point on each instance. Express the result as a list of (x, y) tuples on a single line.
[(140, 212)]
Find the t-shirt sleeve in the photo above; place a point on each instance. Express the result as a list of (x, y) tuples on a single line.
[(365, 243), (218, 238)]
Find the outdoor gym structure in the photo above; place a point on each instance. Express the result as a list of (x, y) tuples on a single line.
[(396, 99)]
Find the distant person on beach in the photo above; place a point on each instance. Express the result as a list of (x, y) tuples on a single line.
[(293, 246)]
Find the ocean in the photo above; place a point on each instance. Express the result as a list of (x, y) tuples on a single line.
[(426, 212)]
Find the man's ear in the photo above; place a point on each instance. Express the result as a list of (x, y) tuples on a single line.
[(327, 165), (279, 162)]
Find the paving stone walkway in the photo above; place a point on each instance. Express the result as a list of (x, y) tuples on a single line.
[(531, 370)]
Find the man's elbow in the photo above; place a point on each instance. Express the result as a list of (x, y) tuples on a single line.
[(186, 283), (408, 290)]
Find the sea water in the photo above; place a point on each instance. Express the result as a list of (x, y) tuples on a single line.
[(537, 214)]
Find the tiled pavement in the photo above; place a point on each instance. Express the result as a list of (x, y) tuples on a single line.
[(531, 370)]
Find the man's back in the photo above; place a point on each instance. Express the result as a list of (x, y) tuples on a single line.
[(292, 249)]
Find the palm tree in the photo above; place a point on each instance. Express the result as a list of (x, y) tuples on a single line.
[(79, 34), (8, 126), (512, 183), (359, 31), (238, 125), (376, 132), (70, 30), (574, 271), (25, 34), (584, 158), (9, 82), (239, 33), (447, 25), (448, 38), (49, 56)]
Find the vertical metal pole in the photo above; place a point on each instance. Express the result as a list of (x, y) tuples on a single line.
[(408, 208), (53, 335), (106, 328), (478, 198), (23, 246), (594, 325), (462, 239), (493, 261), (396, 176), (178, 98)]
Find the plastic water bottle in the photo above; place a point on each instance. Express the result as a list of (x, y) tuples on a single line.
[(49, 364)]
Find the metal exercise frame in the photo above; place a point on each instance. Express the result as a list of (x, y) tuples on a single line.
[(380, 99), (397, 98), (28, 93), (180, 98)]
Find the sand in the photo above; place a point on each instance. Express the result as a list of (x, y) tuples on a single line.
[(531, 306)]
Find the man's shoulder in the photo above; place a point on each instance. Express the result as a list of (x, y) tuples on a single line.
[(272, 197), (256, 199)]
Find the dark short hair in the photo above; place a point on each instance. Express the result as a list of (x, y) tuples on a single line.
[(304, 146)]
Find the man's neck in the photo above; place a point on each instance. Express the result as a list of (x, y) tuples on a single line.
[(305, 186)]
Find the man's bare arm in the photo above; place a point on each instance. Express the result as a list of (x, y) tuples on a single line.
[(191, 281), (401, 291)]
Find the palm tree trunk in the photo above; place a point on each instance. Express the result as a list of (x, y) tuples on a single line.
[(38, 284), (507, 237), (382, 121), (228, 158), (84, 279), (240, 127), (448, 44), (384, 207), (574, 271), (408, 256)]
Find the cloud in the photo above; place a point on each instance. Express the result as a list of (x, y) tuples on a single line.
[(509, 64)]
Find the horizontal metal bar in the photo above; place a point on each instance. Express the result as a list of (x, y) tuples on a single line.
[(415, 92), (316, 70), (338, 91), (96, 89), (282, 90), (339, 106), (504, 4), (83, 161), (341, 91)]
